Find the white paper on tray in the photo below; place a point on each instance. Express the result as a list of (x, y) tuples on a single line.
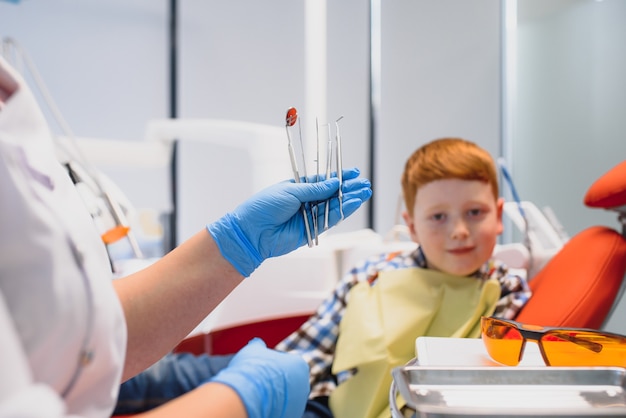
[(445, 351)]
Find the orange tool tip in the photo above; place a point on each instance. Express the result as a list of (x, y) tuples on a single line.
[(115, 234), (292, 116)]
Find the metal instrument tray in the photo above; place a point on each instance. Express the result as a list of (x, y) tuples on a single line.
[(438, 392)]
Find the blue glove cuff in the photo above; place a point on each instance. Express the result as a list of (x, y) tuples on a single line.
[(271, 384), (246, 390), (234, 245)]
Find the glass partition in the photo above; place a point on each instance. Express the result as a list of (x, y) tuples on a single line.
[(565, 100)]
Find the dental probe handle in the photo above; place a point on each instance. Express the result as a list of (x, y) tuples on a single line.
[(306, 225), (296, 177), (329, 156), (294, 165), (339, 169)]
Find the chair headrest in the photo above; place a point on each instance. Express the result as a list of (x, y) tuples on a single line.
[(609, 191)]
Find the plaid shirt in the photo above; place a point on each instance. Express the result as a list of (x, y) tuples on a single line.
[(316, 339)]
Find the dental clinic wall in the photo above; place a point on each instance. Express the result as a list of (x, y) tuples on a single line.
[(104, 62), (106, 65)]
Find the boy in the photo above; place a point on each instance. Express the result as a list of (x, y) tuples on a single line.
[(454, 214)]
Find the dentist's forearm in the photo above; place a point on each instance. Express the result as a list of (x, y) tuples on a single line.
[(166, 301)]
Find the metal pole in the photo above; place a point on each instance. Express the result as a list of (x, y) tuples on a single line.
[(375, 96), (173, 113), (173, 45)]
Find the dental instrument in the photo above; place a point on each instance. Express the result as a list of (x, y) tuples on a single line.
[(290, 120), (314, 206), (305, 174), (329, 156), (339, 166), (332, 156)]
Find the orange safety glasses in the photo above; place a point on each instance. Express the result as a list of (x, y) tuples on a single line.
[(505, 341)]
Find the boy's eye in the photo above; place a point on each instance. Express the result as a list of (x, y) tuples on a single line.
[(475, 212), (438, 217)]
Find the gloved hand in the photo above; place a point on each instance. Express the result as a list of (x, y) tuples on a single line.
[(271, 384), (270, 223)]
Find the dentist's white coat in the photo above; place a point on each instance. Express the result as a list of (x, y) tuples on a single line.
[(57, 303)]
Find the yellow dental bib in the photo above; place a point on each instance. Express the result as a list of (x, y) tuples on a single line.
[(381, 323)]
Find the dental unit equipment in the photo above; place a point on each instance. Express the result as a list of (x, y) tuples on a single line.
[(115, 225)]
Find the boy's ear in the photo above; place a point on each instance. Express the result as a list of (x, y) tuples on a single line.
[(411, 225), (499, 211)]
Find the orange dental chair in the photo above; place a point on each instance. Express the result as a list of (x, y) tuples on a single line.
[(579, 286)]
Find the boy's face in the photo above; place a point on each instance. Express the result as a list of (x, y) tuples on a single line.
[(456, 222)]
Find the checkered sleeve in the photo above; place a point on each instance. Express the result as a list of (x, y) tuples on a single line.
[(515, 291)]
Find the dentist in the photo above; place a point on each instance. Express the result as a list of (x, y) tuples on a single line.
[(70, 334)]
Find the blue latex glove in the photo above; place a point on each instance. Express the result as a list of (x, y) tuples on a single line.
[(271, 384), (270, 223)]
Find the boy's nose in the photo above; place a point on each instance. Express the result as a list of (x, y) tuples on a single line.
[(459, 230)]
